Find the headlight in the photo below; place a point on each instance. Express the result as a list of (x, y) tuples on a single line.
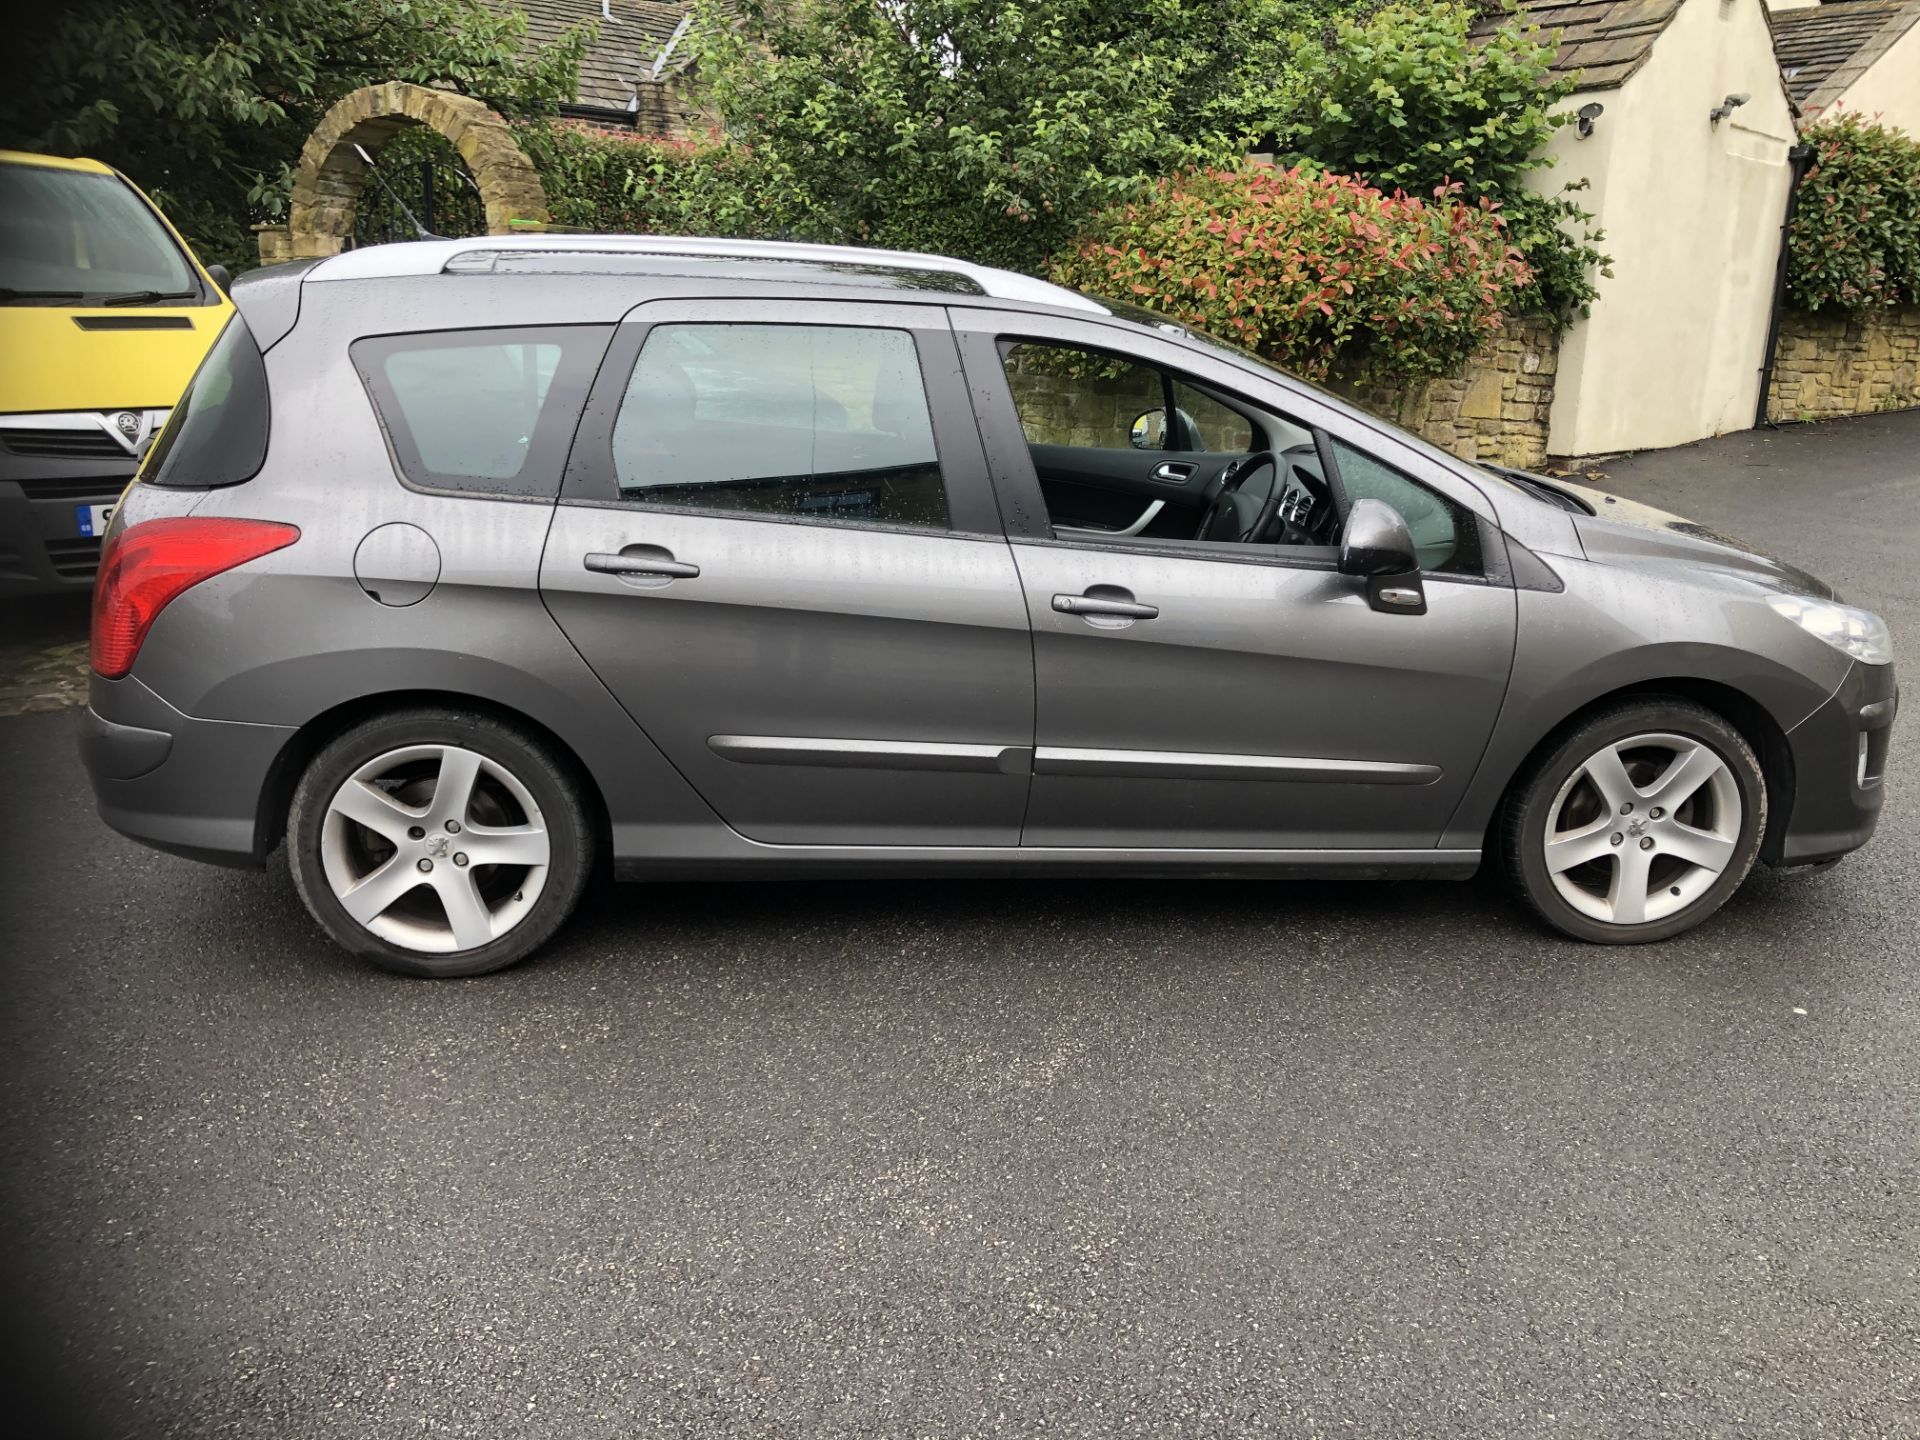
[(1859, 633)]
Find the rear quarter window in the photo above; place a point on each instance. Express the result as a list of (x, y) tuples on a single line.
[(481, 411), (217, 433)]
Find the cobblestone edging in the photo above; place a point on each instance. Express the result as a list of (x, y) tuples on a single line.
[(1497, 409), (53, 677), (1831, 365)]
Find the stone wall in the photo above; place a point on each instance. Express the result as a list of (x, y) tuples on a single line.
[(1497, 409), (1831, 365), (1061, 404)]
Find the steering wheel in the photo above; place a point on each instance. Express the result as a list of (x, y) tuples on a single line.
[(1226, 518)]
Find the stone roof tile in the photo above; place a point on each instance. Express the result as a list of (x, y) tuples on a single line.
[(619, 62), (1825, 48), (1605, 41)]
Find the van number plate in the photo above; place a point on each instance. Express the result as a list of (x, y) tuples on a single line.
[(93, 519)]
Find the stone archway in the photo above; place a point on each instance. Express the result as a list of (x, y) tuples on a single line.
[(327, 184)]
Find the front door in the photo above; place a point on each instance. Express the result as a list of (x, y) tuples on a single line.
[(778, 547), (1195, 691)]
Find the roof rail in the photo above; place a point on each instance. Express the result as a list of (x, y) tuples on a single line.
[(434, 257)]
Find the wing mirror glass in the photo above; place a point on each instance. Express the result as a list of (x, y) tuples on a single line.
[(1377, 547), (1149, 430)]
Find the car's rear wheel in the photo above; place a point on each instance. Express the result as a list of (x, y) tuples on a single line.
[(438, 843), (1638, 824)]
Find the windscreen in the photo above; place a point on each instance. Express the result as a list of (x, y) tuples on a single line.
[(71, 237)]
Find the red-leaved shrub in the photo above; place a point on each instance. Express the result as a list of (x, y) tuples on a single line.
[(1318, 273)]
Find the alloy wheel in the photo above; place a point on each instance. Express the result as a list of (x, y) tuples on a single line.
[(1643, 828), (435, 848)]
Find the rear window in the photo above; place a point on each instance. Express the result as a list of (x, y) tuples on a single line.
[(71, 237), (217, 434), (486, 411)]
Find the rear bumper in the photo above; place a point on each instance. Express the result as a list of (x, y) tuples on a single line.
[(191, 787), (1839, 766)]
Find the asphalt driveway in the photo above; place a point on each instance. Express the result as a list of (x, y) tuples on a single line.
[(986, 1158)]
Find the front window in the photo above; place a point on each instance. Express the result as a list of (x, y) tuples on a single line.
[(74, 237), (1139, 315)]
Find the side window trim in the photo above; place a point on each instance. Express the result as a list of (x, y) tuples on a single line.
[(581, 348), (590, 475)]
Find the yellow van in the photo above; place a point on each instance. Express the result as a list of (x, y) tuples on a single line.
[(104, 315)]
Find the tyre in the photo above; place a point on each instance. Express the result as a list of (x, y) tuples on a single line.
[(1638, 822), (439, 842)]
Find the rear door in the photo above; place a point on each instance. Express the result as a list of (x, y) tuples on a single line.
[(778, 546)]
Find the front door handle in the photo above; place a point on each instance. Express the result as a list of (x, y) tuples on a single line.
[(654, 566), (1101, 605), (1178, 471)]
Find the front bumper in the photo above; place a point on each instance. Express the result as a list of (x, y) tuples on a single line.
[(188, 786), (1839, 769), (51, 468)]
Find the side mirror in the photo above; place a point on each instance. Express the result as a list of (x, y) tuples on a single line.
[(1149, 430), (222, 277), (1376, 546)]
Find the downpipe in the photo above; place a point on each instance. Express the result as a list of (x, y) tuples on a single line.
[(1799, 161)]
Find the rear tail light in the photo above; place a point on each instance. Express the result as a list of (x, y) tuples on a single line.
[(147, 565)]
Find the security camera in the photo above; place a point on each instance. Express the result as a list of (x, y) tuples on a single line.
[(1727, 106), (1589, 113)]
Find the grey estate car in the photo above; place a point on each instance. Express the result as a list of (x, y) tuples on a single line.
[(466, 566)]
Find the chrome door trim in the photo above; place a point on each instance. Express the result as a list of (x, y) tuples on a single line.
[(1076, 532), (1173, 765), (872, 754)]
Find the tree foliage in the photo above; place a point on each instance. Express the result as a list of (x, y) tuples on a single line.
[(1407, 98), (1856, 234), (206, 103), (988, 129), (656, 187), (1314, 272)]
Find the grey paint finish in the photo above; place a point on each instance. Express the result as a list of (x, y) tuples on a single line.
[(1261, 660), (397, 564), (917, 646), (828, 631)]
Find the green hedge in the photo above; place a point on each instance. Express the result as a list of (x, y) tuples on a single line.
[(1856, 235), (659, 187), (1316, 272)]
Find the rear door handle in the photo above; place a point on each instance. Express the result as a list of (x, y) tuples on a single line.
[(1100, 605), (653, 565)]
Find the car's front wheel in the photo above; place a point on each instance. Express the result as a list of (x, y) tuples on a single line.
[(438, 842), (1638, 824)]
